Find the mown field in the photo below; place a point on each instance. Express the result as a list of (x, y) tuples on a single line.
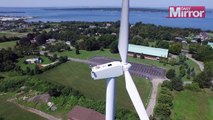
[(190, 105), (77, 76), (12, 34), (7, 44), (9, 111), (106, 53)]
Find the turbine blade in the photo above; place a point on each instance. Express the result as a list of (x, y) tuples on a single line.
[(124, 31), (135, 97)]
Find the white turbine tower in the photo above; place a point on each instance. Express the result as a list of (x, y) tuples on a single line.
[(116, 68)]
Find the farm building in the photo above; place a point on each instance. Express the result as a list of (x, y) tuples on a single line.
[(147, 52), (81, 113), (211, 44), (33, 60)]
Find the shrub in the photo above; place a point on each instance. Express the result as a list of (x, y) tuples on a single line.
[(170, 74), (167, 84), (177, 84), (193, 87), (165, 91), (162, 111), (165, 99)]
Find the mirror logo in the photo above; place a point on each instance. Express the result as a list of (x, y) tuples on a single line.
[(187, 12)]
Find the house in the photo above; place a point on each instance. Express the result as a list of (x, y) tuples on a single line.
[(81, 113), (148, 52), (179, 39), (68, 43), (49, 41), (211, 44), (204, 36), (33, 60)]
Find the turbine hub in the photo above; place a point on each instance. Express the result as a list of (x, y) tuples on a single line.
[(126, 66)]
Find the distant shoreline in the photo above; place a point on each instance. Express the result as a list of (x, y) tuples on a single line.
[(109, 9), (12, 12)]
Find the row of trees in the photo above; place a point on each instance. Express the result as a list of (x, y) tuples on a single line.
[(164, 102), (154, 32), (7, 60)]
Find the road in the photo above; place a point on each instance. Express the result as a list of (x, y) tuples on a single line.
[(152, 101), (35, 111), (200, 64)]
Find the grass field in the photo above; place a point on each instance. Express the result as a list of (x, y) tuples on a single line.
[(193, 105), (210, 34), (12, 34), (9, 111), (24, 66), (77, 76), (89, 54), (7, 44)]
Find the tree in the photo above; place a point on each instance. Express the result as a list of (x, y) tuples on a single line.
[(41, 38), (77, 52), (162, 44), (182, 71), (170, 73), (37, 70), (177, 84), (165, 99), (172, 61), (162, 110), (167, 84), (114, 47), (203, 79), (134, 55), (175, 48), (28, 71), (142, 56)]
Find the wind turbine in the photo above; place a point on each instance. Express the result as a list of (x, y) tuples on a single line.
[(115, 69)]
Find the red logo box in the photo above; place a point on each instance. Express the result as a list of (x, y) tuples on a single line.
[(187, 12)]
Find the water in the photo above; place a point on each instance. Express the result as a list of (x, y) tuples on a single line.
[(102, 15)]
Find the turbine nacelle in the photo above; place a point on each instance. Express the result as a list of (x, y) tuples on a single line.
[(109, 70)]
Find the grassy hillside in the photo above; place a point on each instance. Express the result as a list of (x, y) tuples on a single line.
[(77, 75), (193, 105), (9, 111), (7, 44)]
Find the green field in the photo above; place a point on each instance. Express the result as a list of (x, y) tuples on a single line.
[(210, 34), (9, 111), (12, 34), (77, 76), (193, 105), (24, 66), (7, 44), (89, 54)]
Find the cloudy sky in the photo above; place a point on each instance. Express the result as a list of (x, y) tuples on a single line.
[(103, 3)]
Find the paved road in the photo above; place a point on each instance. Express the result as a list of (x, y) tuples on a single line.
[(200, 64), (152, 101)]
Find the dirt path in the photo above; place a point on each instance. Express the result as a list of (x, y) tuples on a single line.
[(200, 64), (35, 111), (152, 101)]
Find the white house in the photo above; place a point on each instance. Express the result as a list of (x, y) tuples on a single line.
[(33, 60)]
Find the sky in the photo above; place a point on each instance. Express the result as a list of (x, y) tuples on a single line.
[(105, 3)]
